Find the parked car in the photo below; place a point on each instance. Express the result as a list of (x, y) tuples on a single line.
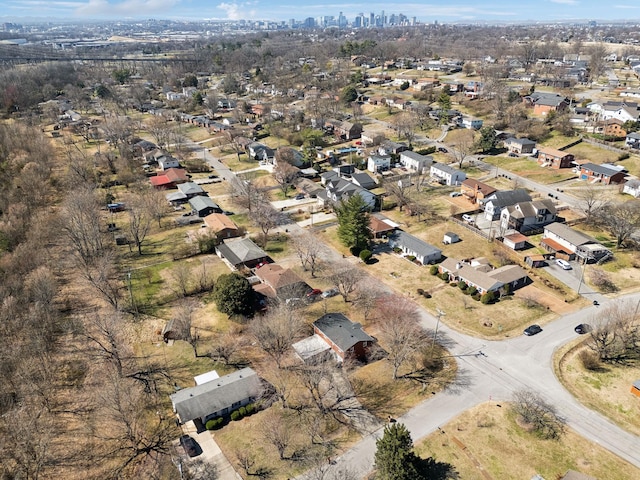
[(455, 194), (467, 218), (443, 150), (299, 196), (313, 293), (513, 155), (582, 328), (532, 330), (190, 446), (563, 264), (332, 292)]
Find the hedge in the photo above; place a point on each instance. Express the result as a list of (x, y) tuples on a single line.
[(433, 270), (215, 423)]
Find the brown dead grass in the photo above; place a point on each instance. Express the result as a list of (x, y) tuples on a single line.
[(606, 391), (486, 442)]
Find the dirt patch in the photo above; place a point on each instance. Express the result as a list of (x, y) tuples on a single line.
[(552, 302)]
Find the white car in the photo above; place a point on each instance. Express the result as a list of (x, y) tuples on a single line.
[(563, 264), (468, 218)]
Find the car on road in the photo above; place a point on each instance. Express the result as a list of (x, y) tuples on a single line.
[(443, 150), (455, 194), (190, 446), (467, 218), (299, 196), (212, 176), (563, 264), (582, 328), (332, 292), (532, 330)]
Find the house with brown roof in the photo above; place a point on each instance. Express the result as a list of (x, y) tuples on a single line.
[(222, 226), (280, 282), (475, 190), (170, 178), (379, 227), (554, 158)]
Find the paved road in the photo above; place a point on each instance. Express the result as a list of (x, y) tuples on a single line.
[(493, 371)]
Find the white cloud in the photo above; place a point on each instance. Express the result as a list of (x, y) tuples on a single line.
[(238, 11), (125, 8), (565, 2)]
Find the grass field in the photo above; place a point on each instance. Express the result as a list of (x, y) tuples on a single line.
[(487, 443), (529, 168)]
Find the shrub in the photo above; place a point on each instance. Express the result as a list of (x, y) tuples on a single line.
[(487, 298), (420, 291), (476, 296), (355, 250), (444, 276), (365, 255), (242, 411), (397, 250), (472, 291), (433, 270), (215, 423), (590, 360), (250, 409), (623, 156), (235, 415), (462, 286), (411, 258), (426, 295), (506, 289)]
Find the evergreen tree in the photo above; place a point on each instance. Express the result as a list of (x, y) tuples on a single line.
[(349, 94), (395, 459), (488, 140), (444, 102), (353, 222), (233, 295)]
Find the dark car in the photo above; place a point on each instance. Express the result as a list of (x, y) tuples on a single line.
[(314, 292), (299, 196), (583, 328), (532, 330), (190, 446), (443, 150)]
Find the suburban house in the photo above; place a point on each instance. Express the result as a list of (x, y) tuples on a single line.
[(415, 161), (169, 178), (447, 175), (526, 216), (476, 191), (241, 252), (203, 206), (519, 145), (389, 147), (217, 397), (413, 246), (280, 282), (471, 123), (344, 337), (185, 191), (338, 189), (554, 158), (222, 226), (545, 102), (378, 163), (605, 174), (166, 162), (364, 180), (611, 127), (344, 130), (632, 187), (623, 111), (494, 203), (479, 274), (559, 238), (381, 225), (372, 137), (633, 140), (259, 151)]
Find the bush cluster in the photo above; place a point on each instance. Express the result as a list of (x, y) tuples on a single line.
[(433, 270), (365, 255), (215, 424)]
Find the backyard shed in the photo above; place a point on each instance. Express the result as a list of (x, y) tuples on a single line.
[(450, 237)]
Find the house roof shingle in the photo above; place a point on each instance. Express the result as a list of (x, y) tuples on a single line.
[(341, 331), (573, 237), (219, 221), (241, 250)]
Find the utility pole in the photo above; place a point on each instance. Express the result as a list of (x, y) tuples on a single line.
[(435, 333)]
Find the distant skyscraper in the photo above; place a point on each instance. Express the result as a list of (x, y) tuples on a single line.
[(342, 20), (372, 19)]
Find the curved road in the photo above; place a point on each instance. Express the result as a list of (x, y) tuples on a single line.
[(494, 370)]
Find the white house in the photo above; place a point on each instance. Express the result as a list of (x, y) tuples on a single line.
[(447, 175), (494, 203), (167, 161), (415, 161), (632, 187), (471, 123), (378, 163)]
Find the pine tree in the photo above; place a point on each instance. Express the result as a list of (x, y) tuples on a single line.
[(233, 295), (395, 459), (353, 222)]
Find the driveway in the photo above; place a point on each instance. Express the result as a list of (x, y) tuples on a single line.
[(574, 279), (211, 453)]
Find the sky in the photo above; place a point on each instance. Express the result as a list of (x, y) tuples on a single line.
[(444, 11)]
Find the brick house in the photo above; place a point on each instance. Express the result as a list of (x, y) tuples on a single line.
[(554, 158), (346, 338), (475, 190), (607, 175)]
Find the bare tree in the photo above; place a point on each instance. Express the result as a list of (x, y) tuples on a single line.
[(225, 347), (405, 124), (309, 251), (317, 381), (463, 147), (399, 189), (615, 335), (400, 332), (161, 129), (620, 219), (276, 331), (140, 218), (538, 413), (81, 224), (181, 276), (276, 431), (597, 61), (345, 278), (284, 174), (267, 218), (183, 323), (107, 340), (105, 278), (592, 199), (157, 205), (245, 194)]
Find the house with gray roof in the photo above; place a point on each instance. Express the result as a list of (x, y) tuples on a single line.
[(604, 174), (217, 397), (447, 175), (203, 206), (483, 277), (560, 238), (410, 245), (519, 145), (527, 216), (364, 180), (632, 187), (415, 161), (633, 140), (494, 203), (191, 189), (346, 338), (241, 252), (340, 189)]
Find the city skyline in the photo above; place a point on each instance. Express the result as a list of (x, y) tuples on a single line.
[(496, 11)]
